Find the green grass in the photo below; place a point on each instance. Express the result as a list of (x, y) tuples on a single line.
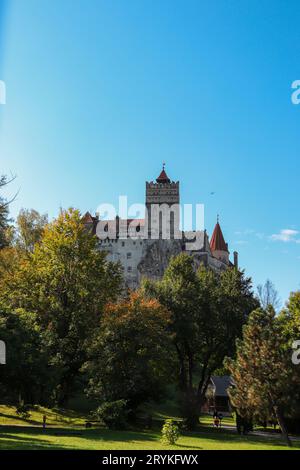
[(96, 439), (208, 420), (55, 417), (65, 430)]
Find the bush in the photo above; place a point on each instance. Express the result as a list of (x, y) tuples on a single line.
[(170, 432), (114, 414), (23, 411)]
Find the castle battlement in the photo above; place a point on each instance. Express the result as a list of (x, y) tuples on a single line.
[(144, 246)]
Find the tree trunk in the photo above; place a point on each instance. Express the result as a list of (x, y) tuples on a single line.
[(191, 410), (182, 370), (282, 425)]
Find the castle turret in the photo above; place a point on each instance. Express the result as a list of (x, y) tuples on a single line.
[(218, 246), (162, 204)]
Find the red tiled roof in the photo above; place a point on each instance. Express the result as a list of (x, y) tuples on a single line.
[(163, 177), (87, 218), (217, 241)]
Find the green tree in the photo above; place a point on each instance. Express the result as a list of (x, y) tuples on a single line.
[(4, 214), (289, 319), (262, 372), (208, 311), (130, 356), (29, 229), (66, 283), (24, 377)]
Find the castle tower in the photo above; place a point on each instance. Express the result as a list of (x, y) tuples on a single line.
[(218, 246), (162, 207)]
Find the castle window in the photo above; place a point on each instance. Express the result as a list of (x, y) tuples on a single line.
[(123, 243), (129, 269), (128, 255)]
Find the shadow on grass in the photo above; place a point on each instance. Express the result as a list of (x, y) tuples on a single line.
[(60, 416), (21, 438), (12, 437), (231, 436), (16, 442)]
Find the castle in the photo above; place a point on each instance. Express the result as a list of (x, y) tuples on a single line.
[(145, 246)]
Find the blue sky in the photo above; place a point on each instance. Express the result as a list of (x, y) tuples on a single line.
[(100, 93)]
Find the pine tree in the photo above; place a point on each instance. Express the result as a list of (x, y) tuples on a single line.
[(261, 372)]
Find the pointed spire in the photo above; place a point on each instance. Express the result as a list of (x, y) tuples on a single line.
[(163, 177), (217, 242)]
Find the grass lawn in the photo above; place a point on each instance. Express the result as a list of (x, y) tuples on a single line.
[(66, 431), (55, 417), (93, 439)]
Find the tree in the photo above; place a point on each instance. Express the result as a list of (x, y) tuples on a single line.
[(262, 372), (268, 295), (29, 229), (208, 311), (4, 214), (130, 356), (25, 375), (9, 261), (65, 282), (21, 239), (289, 319)]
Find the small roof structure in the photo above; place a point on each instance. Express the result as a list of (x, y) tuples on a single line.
[(163, 177), (217, 242), (221, 384)]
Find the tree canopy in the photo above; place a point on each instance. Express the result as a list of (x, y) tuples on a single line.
[(65, 282), (130, 356), (208, 312), (262, 373)]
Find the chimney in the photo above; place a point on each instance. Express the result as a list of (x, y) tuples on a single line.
[(236, 259)]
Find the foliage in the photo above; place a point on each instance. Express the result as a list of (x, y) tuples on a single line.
[(208, 311), (130, 355), (29, 229), (289, 319), (170, 432), (262, 372), (24, 377), (9, 261), (114, 414), (65, 283), (4, 215), (23, 411)]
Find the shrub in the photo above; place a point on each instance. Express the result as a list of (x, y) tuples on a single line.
[(170, 432), (114, 414), (23, 411)]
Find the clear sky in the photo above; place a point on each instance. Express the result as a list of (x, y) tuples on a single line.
[(100, 93)]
